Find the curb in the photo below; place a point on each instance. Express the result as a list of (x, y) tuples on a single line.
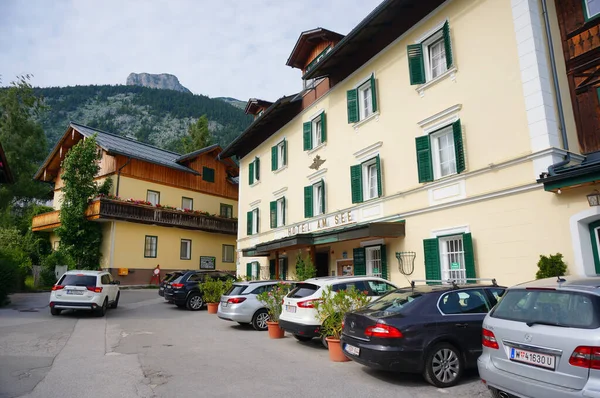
[(145, 287)]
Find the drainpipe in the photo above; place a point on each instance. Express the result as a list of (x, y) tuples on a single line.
[(119, 175), (561, 115)]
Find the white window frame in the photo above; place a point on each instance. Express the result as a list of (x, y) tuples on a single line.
[(280, 156), (317, 132), (255, 171), (255, 221), (447, 273), (317, 201), (191, 202), (228, 257), (427, 45), (366, 180), (365, 112), (280, 212), (371, 260), (188, 255), (150, 193), (588, 14), (255, 270), (435, 151)]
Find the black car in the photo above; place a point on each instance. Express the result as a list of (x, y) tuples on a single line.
[(168, 278), (434, 330), (184, 290)]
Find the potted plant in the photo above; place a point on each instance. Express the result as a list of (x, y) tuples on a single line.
[(331, 310), (212, 290), (273, 300)]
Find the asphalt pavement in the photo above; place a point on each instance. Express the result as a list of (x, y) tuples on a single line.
[(148, 348)]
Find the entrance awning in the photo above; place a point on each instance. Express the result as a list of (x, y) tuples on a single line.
[(372, 230)]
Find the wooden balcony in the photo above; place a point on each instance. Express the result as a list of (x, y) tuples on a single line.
[(105, 209)]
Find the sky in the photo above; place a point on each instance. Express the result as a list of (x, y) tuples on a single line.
[(219, 48)]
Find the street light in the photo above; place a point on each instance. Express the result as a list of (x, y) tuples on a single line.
[(594, 198)]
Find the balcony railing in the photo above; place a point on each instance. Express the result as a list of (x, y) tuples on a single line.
[(117, 210)]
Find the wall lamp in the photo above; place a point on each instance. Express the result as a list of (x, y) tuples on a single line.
[(594, 198)]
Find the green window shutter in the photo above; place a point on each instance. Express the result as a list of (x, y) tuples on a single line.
[(249, 270), (273, 207), (379, 186), (447, 45), (323, 127), (257, 167), (284, 266), (356, 183), (307, 135), (424, 159), (373, 92), (416, 66), (469, 256), (308, 201), (384, 268), (352, 100), (272, 269), (274, 158), (251, 173), (360, 264), (283, 212), (431, 249), (458, 147), (249, 223), (323, 195), (257, 221), (284, 152)]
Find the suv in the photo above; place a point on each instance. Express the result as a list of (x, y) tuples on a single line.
[(434, 330), (542, 340), (184, 290), (298, 315), (168, 278), (84, 290), (239, 304)]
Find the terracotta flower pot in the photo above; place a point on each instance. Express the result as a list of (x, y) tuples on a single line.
[(275, 332), (212, 307), (336, 354)]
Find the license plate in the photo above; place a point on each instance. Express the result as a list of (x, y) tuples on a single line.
[(350, 349), (290, 308), (533, 358), (75, 292)]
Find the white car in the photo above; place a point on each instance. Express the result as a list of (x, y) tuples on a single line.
[(84, 290), (298, 315)]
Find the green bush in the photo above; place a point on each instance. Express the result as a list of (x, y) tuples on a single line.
[(551, 266), (213, 289), (9, 272), (49, 263), (305, 269)]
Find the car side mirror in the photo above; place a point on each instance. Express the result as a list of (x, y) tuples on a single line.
[(116, 282)]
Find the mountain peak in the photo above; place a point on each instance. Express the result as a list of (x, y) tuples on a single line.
[(163, 81)]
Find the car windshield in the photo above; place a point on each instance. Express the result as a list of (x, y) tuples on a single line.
[(303, 290), (549, 307), (78, 280), (235, 290), (395, 302)]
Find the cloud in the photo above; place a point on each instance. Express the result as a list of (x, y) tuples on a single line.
[(218, 48)]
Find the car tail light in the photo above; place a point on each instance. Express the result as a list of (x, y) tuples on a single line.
[(307, 303), (94, 289), (176, 285), (57, 287), (236, 300), (586, 357), (383, 331), (489, 340)]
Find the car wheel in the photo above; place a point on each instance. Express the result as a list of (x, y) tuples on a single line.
[(55, 311), (443, 367), (102, 311), (302, 338), (116, 303), (194, 302), (259, 320)]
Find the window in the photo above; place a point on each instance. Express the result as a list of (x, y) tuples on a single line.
[(432, 57), (187, 203), (441, 153), (365, 180), (373, 258), (252, 270), (254, 171), (450, 258), (370, 260), (396, 303), (362, 101), (303, 290), (260, 113), (314, 132), (150, 246), (153, 197), (185, 251), (277, 208), (226, 210), (379, 288), (592, 8), (208, 174), (357, 285), (472, 301), (228, 251), (314, 199), (105, 280), (279, 155), (252, 226)]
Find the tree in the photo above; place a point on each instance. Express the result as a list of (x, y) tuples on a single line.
[(305, 268), (80, 238), (24, 143), (198, 136)]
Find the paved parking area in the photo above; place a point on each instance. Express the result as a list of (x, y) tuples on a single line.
[(148, 348)]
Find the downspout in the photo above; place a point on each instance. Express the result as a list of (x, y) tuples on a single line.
[(119, 175), (559, 106)]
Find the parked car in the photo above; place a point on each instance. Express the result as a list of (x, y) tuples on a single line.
[(84, 290), (298, 315), (184, 290), (239, 304), (434, 330), (168, 278), (542, 340)]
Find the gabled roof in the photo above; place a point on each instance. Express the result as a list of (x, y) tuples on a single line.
[(198, 152), (306, 43), (254, 103), (6, 176)]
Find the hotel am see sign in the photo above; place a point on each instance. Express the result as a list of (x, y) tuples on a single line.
[(323, 223)]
